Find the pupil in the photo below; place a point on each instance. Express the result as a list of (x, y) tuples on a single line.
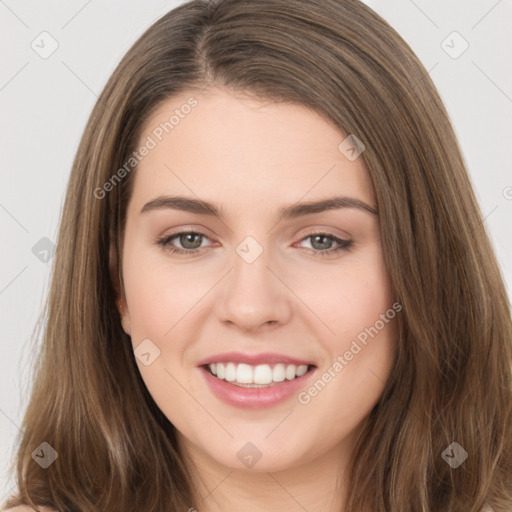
[(324, 245), (186, 238)]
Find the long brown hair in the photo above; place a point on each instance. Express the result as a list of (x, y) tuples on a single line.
[(452, 377)]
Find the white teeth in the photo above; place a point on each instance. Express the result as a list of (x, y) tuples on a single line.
[(230, 372), (262, 374), (244, 374), (290, 372), (302, 369), (278, 373)]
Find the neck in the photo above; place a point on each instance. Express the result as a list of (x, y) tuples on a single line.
[(314, 484)]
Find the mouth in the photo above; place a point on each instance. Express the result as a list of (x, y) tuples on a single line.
[(255, 382), (257, 376)]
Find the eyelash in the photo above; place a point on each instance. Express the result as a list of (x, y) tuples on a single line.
[(344, 245)]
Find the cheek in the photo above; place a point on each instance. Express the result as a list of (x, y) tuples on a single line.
[(363, 350), (159, 299), (357, 307), (348, 296), (158, 295)]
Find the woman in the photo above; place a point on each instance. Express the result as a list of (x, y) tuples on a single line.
[(272, 288)]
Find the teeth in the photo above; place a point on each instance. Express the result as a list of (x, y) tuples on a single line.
[(244, 374), (230, 372), (301, 370), (290, 372), (278, 373), (261, 374)]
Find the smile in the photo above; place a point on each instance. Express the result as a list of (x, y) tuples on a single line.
[(262, 375), (255, 381)]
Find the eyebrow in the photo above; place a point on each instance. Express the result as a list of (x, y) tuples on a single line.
[(201, 207)]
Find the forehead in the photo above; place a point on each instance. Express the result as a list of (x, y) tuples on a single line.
[(229, 146)]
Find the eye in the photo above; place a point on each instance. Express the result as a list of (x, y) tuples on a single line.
[(322, 243), (191, 242)]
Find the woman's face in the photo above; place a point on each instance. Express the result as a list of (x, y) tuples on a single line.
[(260, 294)]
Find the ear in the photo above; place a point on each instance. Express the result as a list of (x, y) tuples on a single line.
[(121, 304)]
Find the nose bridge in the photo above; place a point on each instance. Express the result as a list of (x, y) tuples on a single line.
[(252, 295)]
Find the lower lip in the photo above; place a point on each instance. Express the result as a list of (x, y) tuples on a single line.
[(255, 398)]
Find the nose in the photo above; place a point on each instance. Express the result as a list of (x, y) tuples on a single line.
[(253, 297)]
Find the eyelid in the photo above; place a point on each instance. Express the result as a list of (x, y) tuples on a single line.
[(165, 240), (344, 243), (327, 231), (188, 228), (200, 230)]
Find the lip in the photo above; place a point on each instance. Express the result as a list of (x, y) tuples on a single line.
[(253, 359), (255, 398)]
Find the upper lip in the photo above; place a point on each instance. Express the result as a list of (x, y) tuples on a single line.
[(254, 359)]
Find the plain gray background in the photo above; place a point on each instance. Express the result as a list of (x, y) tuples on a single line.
[(46, 103)]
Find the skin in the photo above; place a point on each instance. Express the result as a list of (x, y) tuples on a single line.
[(252, 158)]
